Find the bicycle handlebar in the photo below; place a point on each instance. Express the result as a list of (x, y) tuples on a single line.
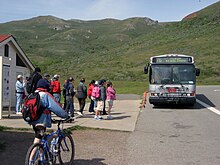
[(62, 120)]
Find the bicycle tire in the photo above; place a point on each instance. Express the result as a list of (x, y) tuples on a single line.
[(36, 156), (66, 156)]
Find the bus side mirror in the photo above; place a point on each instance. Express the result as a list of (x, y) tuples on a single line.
[(197, 71), (145, 70)]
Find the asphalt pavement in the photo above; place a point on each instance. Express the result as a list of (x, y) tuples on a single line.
[(125, 112)]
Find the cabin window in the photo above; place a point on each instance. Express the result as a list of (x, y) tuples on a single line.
[(19, 61), (6, 51)]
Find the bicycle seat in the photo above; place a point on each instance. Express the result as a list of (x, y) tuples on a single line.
[(40, 126)]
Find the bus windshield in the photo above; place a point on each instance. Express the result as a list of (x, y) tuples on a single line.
[(172, 74)]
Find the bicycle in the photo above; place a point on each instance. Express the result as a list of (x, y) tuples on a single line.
[(46, 153)]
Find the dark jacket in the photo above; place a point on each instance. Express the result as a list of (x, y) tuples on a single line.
[(70, 89), (43, 83), (36, 78), (102, 93), (81, 91)]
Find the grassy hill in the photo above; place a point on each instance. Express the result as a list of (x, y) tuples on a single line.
[(119, 49)]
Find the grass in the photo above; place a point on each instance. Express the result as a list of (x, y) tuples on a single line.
[(3, 128), (134, 87)]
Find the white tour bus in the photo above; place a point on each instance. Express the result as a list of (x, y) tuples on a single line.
[(172, 79)]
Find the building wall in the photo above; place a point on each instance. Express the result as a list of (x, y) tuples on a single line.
[(1, 86), (10, 62)]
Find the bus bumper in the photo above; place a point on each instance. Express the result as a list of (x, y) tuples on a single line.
[(172, 100)]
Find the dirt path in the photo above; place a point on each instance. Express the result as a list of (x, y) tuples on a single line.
[(93, 147)]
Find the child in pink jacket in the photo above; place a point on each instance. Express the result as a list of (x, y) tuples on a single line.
[(111, 96)]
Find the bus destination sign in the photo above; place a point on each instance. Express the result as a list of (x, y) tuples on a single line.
[(172, 60)]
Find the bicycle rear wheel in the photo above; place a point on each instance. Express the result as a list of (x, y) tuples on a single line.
[(34, 153), (66, 150)]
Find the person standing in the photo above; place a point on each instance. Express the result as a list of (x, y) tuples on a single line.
[(56, 91), (64, 93), (69, 88), (94, 99), (33, 80), (81, 95), (91, 106), (19, 86), (99, 101), (104, 96), (45, 82), (111, 96), (49, 105)]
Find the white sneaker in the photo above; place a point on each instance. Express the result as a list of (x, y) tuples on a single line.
[(18, 113), (79, 113), (97, 118), (109, 117)]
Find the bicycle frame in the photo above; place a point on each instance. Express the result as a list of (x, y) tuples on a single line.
[(45, 142), (45, 152)]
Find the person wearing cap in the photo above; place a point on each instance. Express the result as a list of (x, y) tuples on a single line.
[(81, 95), (44, 82), (49, 105), (94, 100), (56, 91), (100, 101), (19, 86)]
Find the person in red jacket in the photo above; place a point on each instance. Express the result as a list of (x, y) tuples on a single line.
[(91, 106), (56, 88)]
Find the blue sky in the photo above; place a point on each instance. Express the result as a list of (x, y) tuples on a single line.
[(161, 10)]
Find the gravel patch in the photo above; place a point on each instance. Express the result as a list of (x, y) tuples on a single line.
[(93, 147)]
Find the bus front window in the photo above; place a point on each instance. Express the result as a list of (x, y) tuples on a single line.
[(161, 74), (172, 74), (184, 74)]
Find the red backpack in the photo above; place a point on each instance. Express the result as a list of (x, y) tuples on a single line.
[(32, 110), (96, 92)]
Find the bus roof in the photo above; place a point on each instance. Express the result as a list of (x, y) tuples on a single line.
[(172, 58)]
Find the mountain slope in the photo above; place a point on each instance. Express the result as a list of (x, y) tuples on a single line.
[(118, 49)]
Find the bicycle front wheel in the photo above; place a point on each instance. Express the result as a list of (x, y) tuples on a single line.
[(66, 150), (35, 154)]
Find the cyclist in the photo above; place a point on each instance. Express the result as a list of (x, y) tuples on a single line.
[(49, 105)]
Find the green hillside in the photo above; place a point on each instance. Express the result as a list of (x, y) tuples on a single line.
[(119, 49)]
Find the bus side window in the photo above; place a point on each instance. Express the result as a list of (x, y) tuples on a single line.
[(150, 76)]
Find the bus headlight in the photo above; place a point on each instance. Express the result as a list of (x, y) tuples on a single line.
[(193, 93), (152, 94)]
